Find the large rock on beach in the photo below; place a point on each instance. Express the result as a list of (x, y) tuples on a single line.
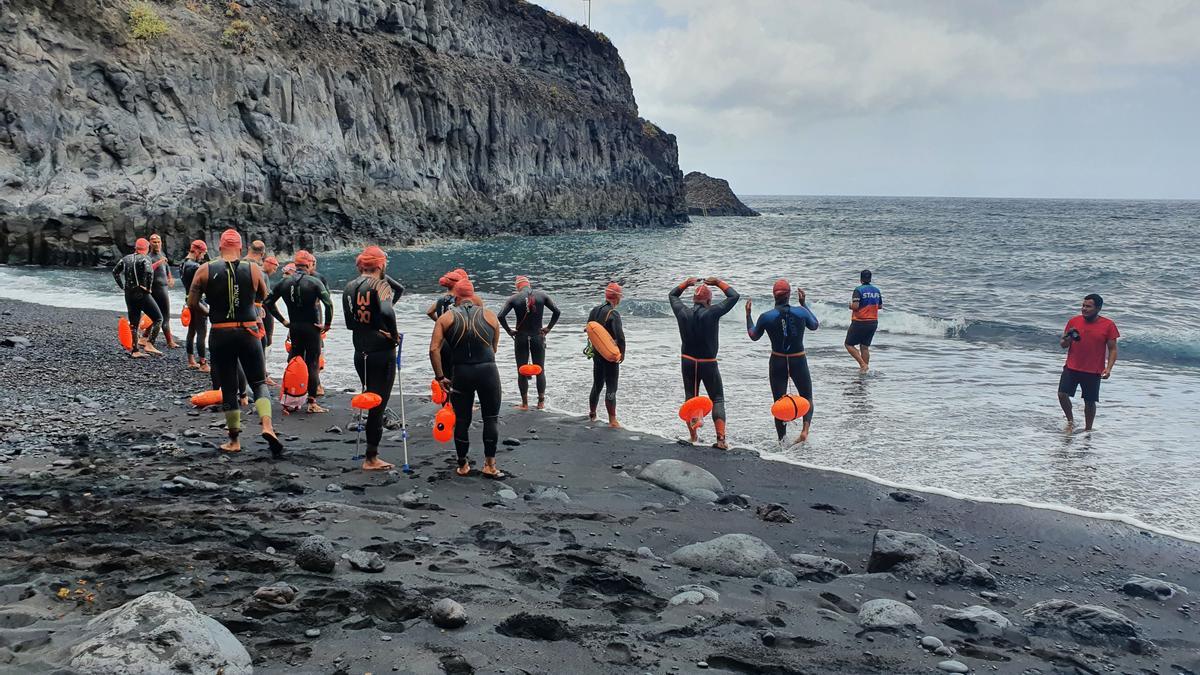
[(1155, 589), (447, 613), (1087, 624), (709, 196), (975, 620), (817, 568), (316, 554), (890, 615), (734, 555), (333, 122), (683, 478), (915, 556), (158, 633)]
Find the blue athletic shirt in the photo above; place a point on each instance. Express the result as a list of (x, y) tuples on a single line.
[(870, 301), (785, 325)]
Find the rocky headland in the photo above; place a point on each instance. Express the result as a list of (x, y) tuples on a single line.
[(314, 123), (128, 540), (708, 196)]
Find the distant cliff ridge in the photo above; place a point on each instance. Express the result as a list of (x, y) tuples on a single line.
[(314, 123), (708, 196)]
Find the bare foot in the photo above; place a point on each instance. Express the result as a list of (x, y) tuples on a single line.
[(541, 404), (721, 445), (234, 445), (314, 408), (490, 470), (615, 424), (376, 464), (864, 368), (522, 406), (802, 437), (151, 349), (592, 418), (171, 344), (1070, 426), (464, 469), (244, 401), (204, 367), (192, 365), (270, 382), (138, 355)]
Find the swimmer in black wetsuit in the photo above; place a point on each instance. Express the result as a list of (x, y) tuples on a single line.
[(606, 374), (367, 305), (232, 288), (699, 332), (162, 281), (446, 302), (302, 293), (529, 335), (785, 325), (473, 334), (197, 333), (134, 274)]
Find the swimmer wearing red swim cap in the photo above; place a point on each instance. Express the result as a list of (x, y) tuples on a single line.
[(785, 325), (606, 375), (699, 330), (529, 337)]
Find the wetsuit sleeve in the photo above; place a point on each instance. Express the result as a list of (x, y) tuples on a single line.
[(397, 288), (756, 330), (731, 299), (119, 273), (386, 314), (148, 269), (810, 319), (554, 312), (509, 305), (676, 304), (618, 332), (328, 302), (273, 298)]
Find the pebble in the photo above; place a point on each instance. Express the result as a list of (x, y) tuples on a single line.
[(37, 513), (953, 667), (702, 664), (910, 595), (506, 493), (312, 633), (333, 487), (930, 642)]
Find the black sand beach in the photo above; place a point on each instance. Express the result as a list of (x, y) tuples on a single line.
[(550, 565)]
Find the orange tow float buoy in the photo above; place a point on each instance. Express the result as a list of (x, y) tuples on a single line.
[(602, 342), (530, 370), (295, 377), (125, 334), (694, 410), (790, 407), (366, 401), (185, 317), (207, 398), (287, 345), (321, 363), (440, 396), (443, 425), (145, 323)]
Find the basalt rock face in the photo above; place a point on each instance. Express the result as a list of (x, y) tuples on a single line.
[(708, 196), (315, 124)]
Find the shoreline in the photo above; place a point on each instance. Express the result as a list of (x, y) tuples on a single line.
[(513, 547)]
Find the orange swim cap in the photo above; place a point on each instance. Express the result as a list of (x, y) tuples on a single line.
[(304, 258), (613, 291), (372, 258), (703, 294), (230, 239), (141, 246), (781, 288), (464, 289), (522, 282), (289, 269), (199, 246)]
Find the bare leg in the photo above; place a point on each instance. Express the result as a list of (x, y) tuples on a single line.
[(862, 365), (1089, 414), (1065, 402), (611, 406), (866, 356), (804, 432), (373, 463)]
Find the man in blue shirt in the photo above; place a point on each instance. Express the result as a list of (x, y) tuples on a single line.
[(785, 325), (865, 303)]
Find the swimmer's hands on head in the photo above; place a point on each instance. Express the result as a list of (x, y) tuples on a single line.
[(713, 281), (800, 296)]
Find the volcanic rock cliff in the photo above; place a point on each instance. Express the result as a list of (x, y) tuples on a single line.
[(708, 196), (314, 123)]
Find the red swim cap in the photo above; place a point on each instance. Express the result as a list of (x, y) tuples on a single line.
[(289, 269), (372, 258), (230, 239), (141, 246), (782, 287), (703, 294), (271, 260), (200, 246), (452, 277), (464, 289), (305, 258), (522, 282), (613, 291)]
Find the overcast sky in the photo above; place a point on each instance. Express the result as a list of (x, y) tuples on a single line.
[(1009, 98)]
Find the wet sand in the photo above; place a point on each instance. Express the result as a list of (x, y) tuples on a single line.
[(550, 584)]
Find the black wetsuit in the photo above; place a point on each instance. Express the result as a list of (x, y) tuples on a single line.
[(785, 325), (441, 306), (470, 337), (530, 305), (699, 331), (232, 343), (134, 274), (198, 327), (605, 373), (303, 294), (162, 274), (367, 305)]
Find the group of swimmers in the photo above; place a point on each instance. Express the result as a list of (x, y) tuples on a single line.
[(233, 307)]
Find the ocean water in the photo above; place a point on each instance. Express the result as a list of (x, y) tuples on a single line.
[(961, 395)]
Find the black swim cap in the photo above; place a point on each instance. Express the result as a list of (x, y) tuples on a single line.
[(865, 276), (1095, 297)]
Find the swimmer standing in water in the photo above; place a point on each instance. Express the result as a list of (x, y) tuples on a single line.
[(699, 332), (785, 325), (606, 374), (529, 337)]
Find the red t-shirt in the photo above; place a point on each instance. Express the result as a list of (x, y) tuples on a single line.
[(1088, 353)]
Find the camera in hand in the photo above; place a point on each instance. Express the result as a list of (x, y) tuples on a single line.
[(1073, 334)]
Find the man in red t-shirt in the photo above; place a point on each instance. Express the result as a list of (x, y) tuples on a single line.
[(1091, 343)]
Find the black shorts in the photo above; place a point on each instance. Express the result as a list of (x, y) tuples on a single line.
[(861, 333), (1088, 383)]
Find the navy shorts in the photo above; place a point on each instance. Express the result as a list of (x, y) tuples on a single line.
[(861, 333), (1088, 383)]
